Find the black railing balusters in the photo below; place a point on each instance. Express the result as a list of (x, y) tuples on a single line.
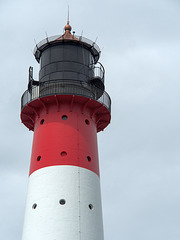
[(66, 87)]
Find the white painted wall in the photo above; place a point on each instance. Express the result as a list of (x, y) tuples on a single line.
[(72, 221)]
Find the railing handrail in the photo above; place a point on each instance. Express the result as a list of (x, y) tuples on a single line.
[(55, 37), (101, 71), (79, 88), (47, 41)]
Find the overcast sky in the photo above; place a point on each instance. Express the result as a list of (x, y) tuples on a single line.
[(139, 152)]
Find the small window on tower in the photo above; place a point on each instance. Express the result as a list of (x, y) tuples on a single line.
[(42, 121), (64, 117), (34, 206), (87, 122), (91, 206), (89, 158), (38, 158), (62, 201), (63, 154)]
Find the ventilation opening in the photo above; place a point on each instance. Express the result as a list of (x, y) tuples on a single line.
[(34, 206), (38, 158), (42, 121), (87, 122), (64, 117), (89, 158), (91, 207), (62, 201)]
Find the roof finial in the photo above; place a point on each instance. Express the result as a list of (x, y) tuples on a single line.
[(68, 27)]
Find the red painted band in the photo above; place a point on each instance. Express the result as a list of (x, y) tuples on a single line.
[(65, 138)]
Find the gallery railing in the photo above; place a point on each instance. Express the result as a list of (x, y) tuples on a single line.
[(66, 87)]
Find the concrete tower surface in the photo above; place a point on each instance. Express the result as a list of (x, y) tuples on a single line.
[(65, 108)]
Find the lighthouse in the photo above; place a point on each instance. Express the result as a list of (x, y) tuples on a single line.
[(65, 108)]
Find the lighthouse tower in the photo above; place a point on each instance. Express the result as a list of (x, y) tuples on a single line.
[(65, 108)]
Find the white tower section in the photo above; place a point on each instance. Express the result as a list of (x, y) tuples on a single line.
[(63, 208)]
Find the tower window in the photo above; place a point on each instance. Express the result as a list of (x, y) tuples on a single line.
[(63, 154), (34, 206), (64, 117), (87, 122), (89, 158), (42, 121), (62, 201), (91, 206), (38, 158)]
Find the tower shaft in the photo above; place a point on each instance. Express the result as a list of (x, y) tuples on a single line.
[(65, 109)]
